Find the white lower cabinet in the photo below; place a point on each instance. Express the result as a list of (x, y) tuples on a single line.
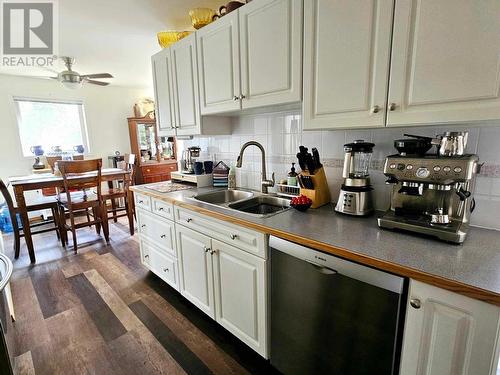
[(196, 271), (448, 334), (240, 294), (225, 282)]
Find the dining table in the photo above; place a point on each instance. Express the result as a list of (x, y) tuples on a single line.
[(20, 184)]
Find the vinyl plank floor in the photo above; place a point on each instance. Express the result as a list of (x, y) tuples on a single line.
[(101, 312)]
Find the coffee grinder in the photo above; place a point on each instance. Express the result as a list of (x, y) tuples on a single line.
[(355, 196)]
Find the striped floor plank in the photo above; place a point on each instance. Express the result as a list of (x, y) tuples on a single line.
[(101, 312)]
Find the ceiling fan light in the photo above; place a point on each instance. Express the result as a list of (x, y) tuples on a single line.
[(72, 85)]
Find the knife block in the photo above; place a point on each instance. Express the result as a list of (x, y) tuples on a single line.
[(320, 195)]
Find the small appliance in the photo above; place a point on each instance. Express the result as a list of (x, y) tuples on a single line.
[(188, 158), (432, 194), (355, 196)]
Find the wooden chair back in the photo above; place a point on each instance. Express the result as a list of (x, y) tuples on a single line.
[(9, 201), (80, 168), (128, 164)]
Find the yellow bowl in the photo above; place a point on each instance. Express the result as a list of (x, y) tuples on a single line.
[(201, 17), (167, 38)]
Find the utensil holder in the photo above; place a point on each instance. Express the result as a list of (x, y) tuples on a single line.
[(320, 194)]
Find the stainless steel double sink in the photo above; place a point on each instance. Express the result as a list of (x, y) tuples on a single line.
[(249, 202)]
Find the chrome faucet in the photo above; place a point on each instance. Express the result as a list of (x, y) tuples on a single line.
[(265, 183)]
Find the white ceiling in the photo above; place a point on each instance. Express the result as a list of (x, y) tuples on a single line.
[(117, 36)]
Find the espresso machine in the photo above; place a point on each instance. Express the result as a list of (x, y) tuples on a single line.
[(355, 196), (188, 158), (432, 193)]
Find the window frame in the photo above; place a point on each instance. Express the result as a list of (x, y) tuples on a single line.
[(81, 112)]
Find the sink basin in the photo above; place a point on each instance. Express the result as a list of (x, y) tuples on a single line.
[(224, 196), (261, 205)]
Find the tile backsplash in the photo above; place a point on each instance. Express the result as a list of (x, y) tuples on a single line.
[(281, 134)]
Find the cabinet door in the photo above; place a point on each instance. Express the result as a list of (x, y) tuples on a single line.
[(195, 269), (185, 77), (346, 63), (162, 82), (271, 52), (240, 294), (219, 65), (449, 334), (445, 62)]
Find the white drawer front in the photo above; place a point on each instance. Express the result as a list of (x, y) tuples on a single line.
[(164, 266), (145, 254), (157, 230), (163, 209), (246, 239), (160, 263), (142, 201)]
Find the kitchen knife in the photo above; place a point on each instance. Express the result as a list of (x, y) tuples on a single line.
[(310, 164), (316, 157), (302, 163)]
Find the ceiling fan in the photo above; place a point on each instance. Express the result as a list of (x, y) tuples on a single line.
[(74, 80)]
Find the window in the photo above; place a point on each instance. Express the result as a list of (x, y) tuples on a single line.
[(51, 123)]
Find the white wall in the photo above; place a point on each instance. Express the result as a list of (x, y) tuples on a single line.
[(106, 111)]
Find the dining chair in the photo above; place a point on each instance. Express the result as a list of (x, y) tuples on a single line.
[(41, 203), (121, 192), (89, 180)]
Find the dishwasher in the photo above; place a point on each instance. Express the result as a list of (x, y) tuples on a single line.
[(333, 316)]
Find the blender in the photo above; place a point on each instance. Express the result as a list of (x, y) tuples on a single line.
[(355, 196)]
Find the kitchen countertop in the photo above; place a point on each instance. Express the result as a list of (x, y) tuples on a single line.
[(471, 269)]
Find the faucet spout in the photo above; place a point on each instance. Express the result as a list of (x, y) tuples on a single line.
[(265, 183)]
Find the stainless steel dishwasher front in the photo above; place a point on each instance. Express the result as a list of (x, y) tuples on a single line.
[(333, 316)]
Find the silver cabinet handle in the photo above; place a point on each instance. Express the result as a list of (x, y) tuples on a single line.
[(392, 106), (141, 202), (206, 249), (213, 251), (163, 236), (160, 209), (165, 270), (143, 226), (189, 219), (242, 97), (146, 256), (376, 109), (235, 98), (233, 236), (415, 303)]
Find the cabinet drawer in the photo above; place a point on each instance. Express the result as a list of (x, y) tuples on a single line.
[(160, 263), (144, 253), (158, 231), (164, 266), (158, 169), (246, 239), (142, 201), (163, 209)]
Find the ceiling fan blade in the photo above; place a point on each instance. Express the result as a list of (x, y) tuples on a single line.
[(99, 83), (97, 75), (44, 77), (50, 70)]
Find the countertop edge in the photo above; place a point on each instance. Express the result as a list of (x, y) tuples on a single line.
[(438, 281)]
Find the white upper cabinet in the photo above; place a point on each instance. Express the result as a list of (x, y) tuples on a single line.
[(162, 81), (271, 52), (445, 62), (219, 65), (195, 269), (448, 334), (346, 63), (185, 79), (240, 294)]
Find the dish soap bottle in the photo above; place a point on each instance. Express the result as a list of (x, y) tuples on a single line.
[(292, 176), (231, 178)]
